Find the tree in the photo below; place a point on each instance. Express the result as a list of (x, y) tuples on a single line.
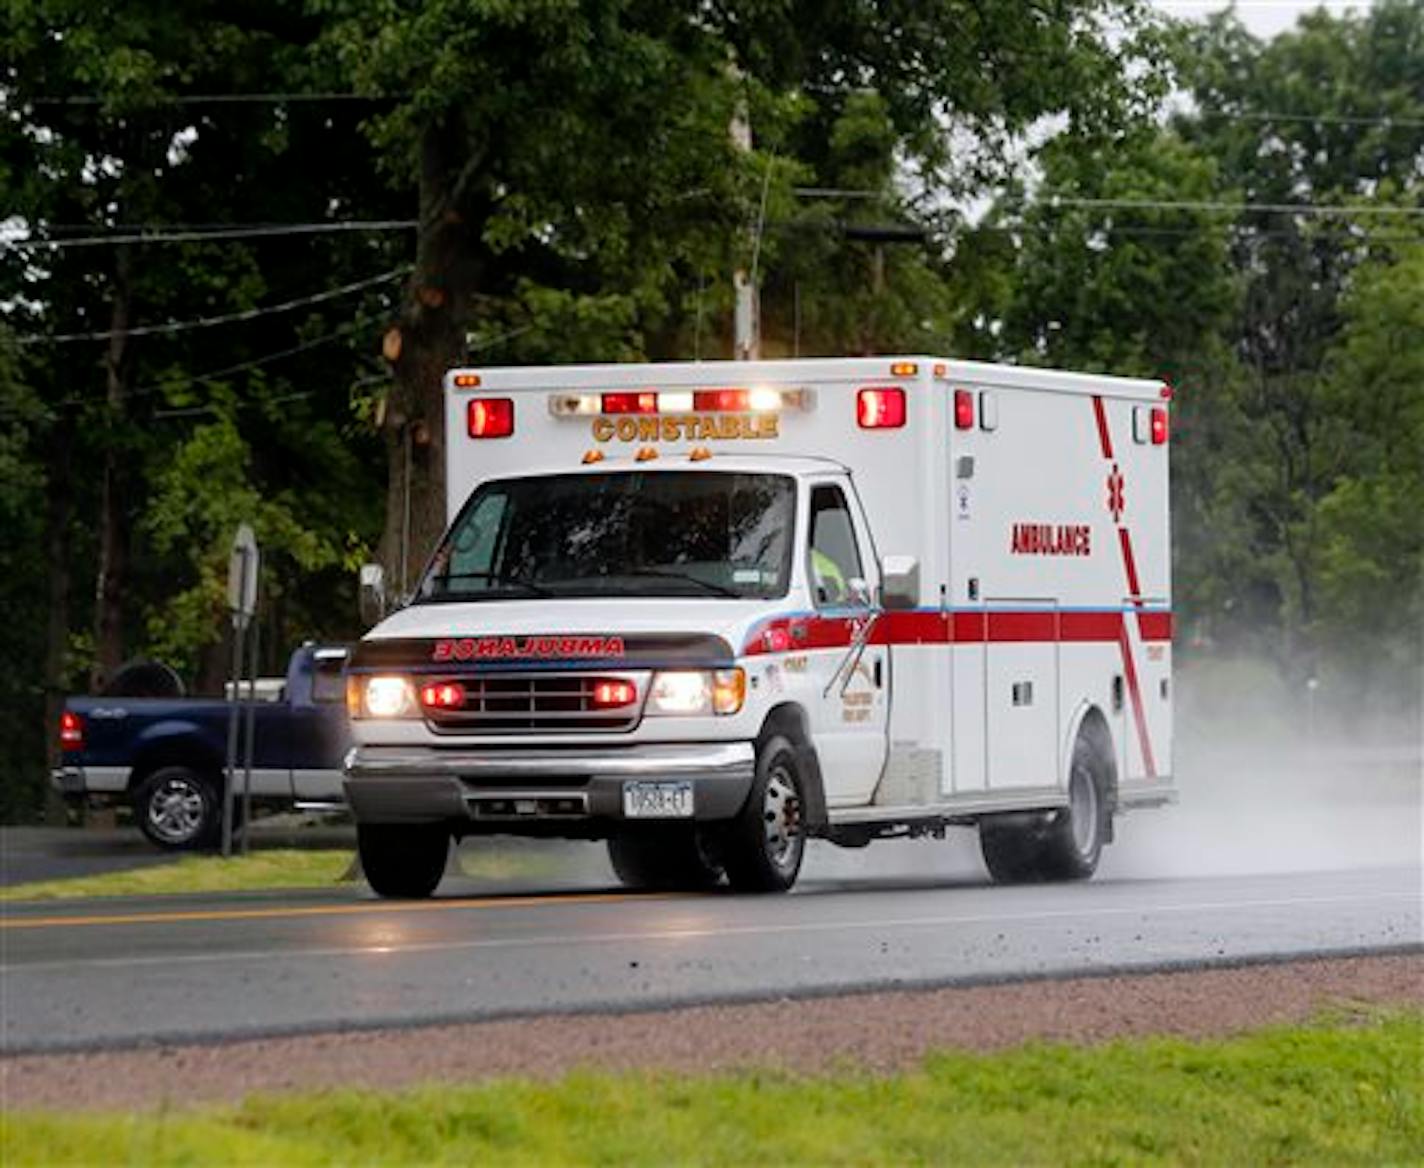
[(1281, 137), (1368, 554), (578, 140)]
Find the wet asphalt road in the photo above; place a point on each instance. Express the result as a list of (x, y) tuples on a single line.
[(121, 972)]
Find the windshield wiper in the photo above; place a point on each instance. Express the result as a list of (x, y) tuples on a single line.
[(708, 585), (523, 582)]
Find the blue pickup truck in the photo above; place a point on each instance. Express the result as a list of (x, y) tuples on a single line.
[(166, 756)]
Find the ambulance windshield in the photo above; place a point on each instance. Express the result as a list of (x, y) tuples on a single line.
[(625, 533)]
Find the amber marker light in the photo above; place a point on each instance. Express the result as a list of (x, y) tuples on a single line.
[(729, 690)]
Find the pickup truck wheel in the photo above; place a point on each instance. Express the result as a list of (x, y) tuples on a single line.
[(178, 808), (669, 859), (405, 861), (763, 847), (1069, 844)]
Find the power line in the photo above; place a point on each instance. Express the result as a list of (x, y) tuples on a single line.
[(320, 228), (1131, 231), (226, 318), (195, 411), (1237, 208), (1163, 204), (244, 366), (1323, 119), (91, 99)]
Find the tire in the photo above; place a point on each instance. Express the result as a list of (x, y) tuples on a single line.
[(1065, 846), (403, 861), (764, 845), (663, 859), (179, 808)]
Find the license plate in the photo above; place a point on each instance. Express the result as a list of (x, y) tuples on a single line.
[(657, 800)]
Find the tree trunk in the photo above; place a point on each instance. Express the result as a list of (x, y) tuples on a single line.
[(429, 339), (113, 512), (59, 514)]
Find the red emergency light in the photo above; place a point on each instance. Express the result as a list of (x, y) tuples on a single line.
[(630, 403), (490, 417), (1159, 426), (721, 400), (963, 410), (881, 408), (71, 731), (609, 695), (442, 695)]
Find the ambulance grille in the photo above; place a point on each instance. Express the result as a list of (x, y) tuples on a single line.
[(536, 703)]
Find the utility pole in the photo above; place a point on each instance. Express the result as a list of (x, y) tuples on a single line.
[(746, 345)]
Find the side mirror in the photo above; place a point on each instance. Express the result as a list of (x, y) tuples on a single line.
[(372, 600), (900, 582)]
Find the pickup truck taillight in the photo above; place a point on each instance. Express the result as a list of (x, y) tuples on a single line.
[(71, 731)]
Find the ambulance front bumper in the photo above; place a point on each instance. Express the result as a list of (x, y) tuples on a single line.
[(504, 787)]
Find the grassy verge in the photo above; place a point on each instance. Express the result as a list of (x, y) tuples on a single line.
[(278, 868), (1329, 1094)]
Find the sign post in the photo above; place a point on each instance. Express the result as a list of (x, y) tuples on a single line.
[(242, 603)]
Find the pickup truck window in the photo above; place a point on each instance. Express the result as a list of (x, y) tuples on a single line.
[(329, 680), (622, 533)]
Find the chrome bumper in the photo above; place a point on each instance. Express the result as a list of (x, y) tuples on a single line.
[(507, 786)]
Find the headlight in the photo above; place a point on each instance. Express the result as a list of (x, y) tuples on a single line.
[(692, 693), (381, 697)]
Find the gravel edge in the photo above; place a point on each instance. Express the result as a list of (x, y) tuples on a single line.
[(875, 1032)]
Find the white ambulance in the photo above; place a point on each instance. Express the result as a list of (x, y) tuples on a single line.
[(708, 611)]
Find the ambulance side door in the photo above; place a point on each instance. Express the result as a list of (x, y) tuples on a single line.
[(849, 685)]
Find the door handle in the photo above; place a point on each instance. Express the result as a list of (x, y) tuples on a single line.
[(879, 671)]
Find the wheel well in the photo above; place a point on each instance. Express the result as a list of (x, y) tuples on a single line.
[(168, 753), (789, 719), (1093, 728)]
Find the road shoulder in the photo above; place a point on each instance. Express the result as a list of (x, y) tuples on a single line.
[(881, 1031)]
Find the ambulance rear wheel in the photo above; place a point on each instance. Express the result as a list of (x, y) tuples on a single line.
[(403, 861), (1065, 846), (667, 859), (763, 847)]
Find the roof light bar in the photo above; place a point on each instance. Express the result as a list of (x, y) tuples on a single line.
[(760, 399), (630, 403)]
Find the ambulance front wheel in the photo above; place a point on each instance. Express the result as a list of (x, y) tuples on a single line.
[(1069, 844), (403, 861), (762, 848)]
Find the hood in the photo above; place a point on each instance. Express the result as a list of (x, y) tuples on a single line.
[(626, 631)]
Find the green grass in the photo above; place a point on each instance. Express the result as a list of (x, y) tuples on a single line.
[(1346, 1092), (278, 868)]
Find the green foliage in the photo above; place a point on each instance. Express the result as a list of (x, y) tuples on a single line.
[(579, 198), (22, 632), (1370, 560), (1320, 1094), (206, 491)]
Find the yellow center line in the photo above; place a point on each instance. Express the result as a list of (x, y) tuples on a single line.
[(250, 914)]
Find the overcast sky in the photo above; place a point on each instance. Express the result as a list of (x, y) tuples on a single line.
[(1265, 18)]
